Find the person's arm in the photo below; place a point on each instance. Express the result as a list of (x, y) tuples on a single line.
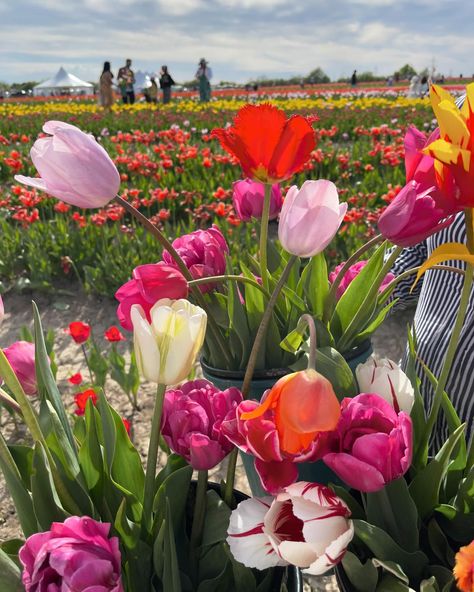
[(410, 257)]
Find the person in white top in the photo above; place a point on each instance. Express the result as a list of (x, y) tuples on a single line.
[(204, 75)]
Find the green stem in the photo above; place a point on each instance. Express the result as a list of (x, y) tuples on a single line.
[(166, 244), (87, 362), (259, 337), (264, 236), (453, 341), (236, 278), (149, 492), (198, 520), (313, 344), (5, 399)]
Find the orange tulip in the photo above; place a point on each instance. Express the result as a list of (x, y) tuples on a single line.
[(304, 404), (464, 568)]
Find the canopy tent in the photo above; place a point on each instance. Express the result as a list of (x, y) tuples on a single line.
[(63, 83)]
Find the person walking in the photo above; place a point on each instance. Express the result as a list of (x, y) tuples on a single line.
[(126, 80), (106, 96), (203, 76), (166, 82)]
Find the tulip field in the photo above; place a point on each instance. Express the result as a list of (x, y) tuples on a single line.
[(175, 173)]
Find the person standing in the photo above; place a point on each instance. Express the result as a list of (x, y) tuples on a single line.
[(204, 75), (166, 82), (354, 78), (106, 96), (126, 80)]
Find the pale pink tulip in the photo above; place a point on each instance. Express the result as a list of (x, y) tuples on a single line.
[(310, 218), (73, 167), (306, 525), (21, 356)]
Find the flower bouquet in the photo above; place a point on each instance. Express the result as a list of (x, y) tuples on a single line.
[(393, 517)]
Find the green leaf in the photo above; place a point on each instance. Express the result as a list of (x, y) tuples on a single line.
[(98, 365), (363, 576), (392, 568), (331, 364), (173, 492), (429, 585), (390, 584), (217, 520), (316, 284), (439, 544), (171, 579), (238, 321), (357, 512), (10, 575)]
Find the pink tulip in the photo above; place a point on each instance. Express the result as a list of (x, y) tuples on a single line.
[(73, 167), (21, 356), (372, 444), (310, 217), (351, 274), (306, 525), (150, 283), (76, 554), (204, 253), (248, 198), (259, 437), (192, 418)]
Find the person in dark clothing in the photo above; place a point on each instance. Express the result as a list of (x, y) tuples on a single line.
[(354, 78), (126, 80), (166, 82)]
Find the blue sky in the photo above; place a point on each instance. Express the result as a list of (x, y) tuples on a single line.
[(242, 39)]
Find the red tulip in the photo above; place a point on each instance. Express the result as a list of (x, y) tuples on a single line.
[(113, 334), (81, 400), (75, 378), (79, 331)]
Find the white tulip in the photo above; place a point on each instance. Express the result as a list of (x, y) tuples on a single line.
[(167, 347), (383, 377), (306, 525)]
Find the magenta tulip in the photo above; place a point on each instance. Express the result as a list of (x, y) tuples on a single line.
[(248, 198), (310, 217), (150, 283), (75, 555), (73, 167), (21, 356), (203, 252), (192, 418), (351, 274), (372, 444)]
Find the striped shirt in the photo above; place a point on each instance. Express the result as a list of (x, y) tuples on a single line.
[(438, 295)]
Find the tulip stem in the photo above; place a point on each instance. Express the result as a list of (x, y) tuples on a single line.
[(198, 520), (313, 343), (235, 278), (10, 402), (453, 342), (149, 491), (330, 301), (229, 484), (264, 235), (166, 244), (87, 363)]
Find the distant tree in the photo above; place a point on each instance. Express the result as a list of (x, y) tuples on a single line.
[(317, 76), (405, 73)]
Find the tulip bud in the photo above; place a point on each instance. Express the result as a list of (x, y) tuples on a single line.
[(310, 217), (21, 356), (167, 347)]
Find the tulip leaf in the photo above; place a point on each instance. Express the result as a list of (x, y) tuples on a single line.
[(390, 584), (217, 520), (392, 568), (459, 528), (386, 549), (439, 543), (314, 284), (171, 578), (363, 576), (173, 492), (373, 324), (10, 574), (331, 364), (429, 585), (238, 322)]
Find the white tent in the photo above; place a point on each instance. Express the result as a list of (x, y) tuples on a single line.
[(63, 83)]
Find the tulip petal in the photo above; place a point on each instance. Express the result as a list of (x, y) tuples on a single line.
[(36, 182), (355, 473), (275, 475), (297, 553), (204, 452), (146, 347), (333, 554)]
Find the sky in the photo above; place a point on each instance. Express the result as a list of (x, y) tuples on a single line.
[(241, 39)]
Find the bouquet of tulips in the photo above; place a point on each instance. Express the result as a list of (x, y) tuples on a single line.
[(392, 517)]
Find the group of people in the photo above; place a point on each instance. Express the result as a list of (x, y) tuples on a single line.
[(126, 82)]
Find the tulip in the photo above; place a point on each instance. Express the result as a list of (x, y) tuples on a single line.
[(192, 417), (79, 331), (351, 274), (464, 568), (270, 147), (288, 427), (306, 525), (113, 334), (81, 400), (73, 167), (149, 284), (203, 252), (248, 199), (372, 444), (76, 554), (386, 379), (310, 217), (21, 357), (167, 347)]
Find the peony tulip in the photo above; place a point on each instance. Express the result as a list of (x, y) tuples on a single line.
[(192, 417), (288, 427), (310, 217), (203, 252), (464, 568), (351, 274), (248, 198), (79, 331), (386, 379), (21, 356), (73, 167), (150, 283), (167, 347), (306, 525), (76, 554), (372, 444), (270, 147)]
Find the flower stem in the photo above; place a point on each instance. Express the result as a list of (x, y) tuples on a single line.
[(166, 244), (149, 491), (10, 402), (230, 475), (83, 347), (313, 344), (235, 278), (198, 520), (453, 342), (264, 235)]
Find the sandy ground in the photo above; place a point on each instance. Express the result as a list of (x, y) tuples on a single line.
[(57, 311)]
